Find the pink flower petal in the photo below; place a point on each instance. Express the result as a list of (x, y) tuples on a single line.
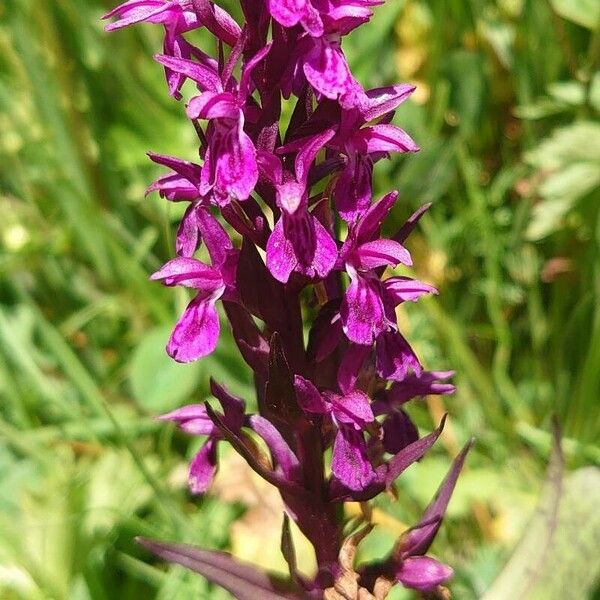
[(203, 467), (196, 333), (362, 311)]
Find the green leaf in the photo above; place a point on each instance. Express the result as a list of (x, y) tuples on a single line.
[(157, 382), (583, 12), (579, 141), (559, 550)]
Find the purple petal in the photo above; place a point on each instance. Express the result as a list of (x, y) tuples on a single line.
[(151, 11), (213, 105), (196, 333), (300, 243), (185, 168), (383, 138), (308, 152), (245, 80), (424, 384), (362, 311), (215, 237), (381, 101), (325, 252), (327, 71), (379, 253), (203, 467), (353, 187), (344, 18), (290, 196), (312, 21), (287, 12), (404, 289), (309, 397), (236, 167), (189, 272), (354, 409), (349, 462), (281, 258), (394, 357), (192, 419), (398, 432), (188, 238), (269, 166), (174, 188), (218, 21), (207, 79), (423, 573)]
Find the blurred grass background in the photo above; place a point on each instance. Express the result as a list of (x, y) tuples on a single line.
[(507, 113)]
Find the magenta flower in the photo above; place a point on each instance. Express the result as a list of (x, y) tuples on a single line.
[(363, 145), (194, 419), (197, 331), (299, 241), (363, 312), (178, 17), (303, 255), (230, 169), (350, 413)]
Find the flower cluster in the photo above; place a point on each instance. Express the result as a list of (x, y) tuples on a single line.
[(286, 183)]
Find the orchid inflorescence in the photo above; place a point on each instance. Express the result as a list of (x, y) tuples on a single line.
[(287, 183)]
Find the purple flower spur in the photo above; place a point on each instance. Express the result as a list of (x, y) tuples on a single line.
[(268, 197)]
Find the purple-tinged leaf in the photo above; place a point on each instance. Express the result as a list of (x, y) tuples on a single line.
[(411, 223), (417, 540), (326, 332), (287, 547), (280, 450), (252, 345), (244, 581), (255, 463), (261, 294), (280, 395), (350, 366)]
